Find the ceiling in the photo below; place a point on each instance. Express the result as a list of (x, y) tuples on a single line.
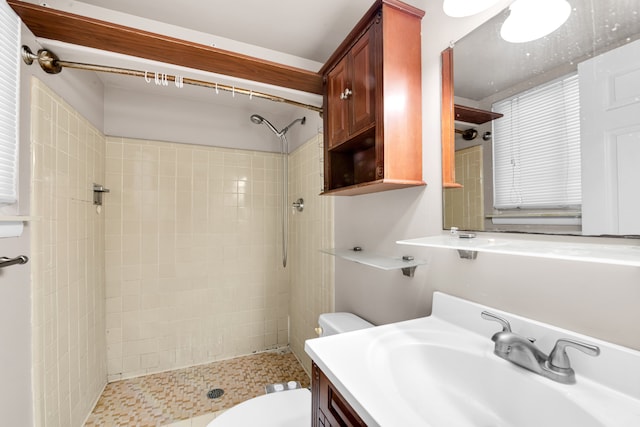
[(310, 29)]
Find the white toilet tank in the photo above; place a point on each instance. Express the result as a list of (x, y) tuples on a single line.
[(337, 323)]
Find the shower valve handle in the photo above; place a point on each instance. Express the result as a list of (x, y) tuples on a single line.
[(346, 94)]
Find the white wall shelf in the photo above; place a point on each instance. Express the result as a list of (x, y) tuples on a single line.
[(619, 254), (11, 226), (377, 261)]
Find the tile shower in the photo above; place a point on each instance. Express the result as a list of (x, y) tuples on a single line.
[(179, 267), (191, 271), (464, 207)]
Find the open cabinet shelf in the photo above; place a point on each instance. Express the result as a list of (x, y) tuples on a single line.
[(474, 115)]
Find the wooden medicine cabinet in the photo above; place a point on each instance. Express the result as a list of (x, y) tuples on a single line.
[(372, 103)]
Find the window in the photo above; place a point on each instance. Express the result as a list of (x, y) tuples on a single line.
[(9, 93), (536, 148)]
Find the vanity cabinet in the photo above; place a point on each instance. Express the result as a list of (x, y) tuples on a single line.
[(373, 104), (329, 408)]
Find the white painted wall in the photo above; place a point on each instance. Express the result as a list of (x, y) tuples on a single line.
[(186, 116), (15, 335), (593, 299)]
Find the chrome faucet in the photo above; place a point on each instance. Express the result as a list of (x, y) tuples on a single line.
[(523, 352)]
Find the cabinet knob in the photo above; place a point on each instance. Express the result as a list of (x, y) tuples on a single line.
[(346, 94)]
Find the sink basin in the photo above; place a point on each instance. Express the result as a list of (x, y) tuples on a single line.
[(440, 371), (452, 380)]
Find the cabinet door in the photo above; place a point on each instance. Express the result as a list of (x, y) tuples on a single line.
[(337, 103), (363, 82), (330, 409)]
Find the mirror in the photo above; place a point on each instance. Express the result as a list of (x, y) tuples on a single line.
[(600, 44)]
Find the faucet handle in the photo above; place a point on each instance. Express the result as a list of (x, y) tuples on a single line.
[(486, 315), (558, 359)]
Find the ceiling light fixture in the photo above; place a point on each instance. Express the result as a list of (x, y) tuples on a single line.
[(462, 8), (533, 19)]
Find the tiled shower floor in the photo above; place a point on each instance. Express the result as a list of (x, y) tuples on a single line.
[(170, 397)]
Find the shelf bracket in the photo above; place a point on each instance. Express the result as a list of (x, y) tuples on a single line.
[(408, 271), (467, 254)]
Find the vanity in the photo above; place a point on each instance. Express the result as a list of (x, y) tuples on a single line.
[(444, 370)]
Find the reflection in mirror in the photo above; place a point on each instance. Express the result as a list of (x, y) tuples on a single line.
[(558, 148)]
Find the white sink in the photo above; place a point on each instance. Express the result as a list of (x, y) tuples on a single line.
[(450, 379), (441, 371)]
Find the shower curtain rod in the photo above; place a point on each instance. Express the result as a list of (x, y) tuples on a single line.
[(51, 64)]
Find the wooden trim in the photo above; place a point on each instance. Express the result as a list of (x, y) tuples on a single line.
[(361, 27), (373, 187), (401, 94), (81, 30), (448, 123), (315, 395), (406, 8)]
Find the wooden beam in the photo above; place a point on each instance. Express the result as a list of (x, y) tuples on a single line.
[(80, 30)]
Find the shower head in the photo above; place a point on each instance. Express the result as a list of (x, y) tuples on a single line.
[(258, 119)]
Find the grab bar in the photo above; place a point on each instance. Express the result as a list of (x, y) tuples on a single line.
[(6, 262)]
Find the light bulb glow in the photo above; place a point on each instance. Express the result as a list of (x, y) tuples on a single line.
[(533, 19), (462, 8)]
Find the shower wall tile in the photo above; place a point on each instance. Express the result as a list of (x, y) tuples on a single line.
[(311, 273), (68, 290), (193, 255), (464, 207)]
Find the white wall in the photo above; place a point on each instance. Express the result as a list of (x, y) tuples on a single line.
[(15, 335), (199, 116), (597, 300), (15, 303)]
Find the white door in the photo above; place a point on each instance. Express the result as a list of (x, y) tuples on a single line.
[(610, 141)]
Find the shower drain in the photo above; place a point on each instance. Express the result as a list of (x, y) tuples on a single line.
[(215, 393)]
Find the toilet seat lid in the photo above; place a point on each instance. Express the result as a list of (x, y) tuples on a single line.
[(290, 408)]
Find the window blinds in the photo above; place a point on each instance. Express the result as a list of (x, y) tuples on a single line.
[(9, 92), (536, 148)]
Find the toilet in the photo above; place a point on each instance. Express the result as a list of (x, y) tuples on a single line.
[(288, 408)]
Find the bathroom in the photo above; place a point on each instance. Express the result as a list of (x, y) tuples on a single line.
[(595, 299)]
